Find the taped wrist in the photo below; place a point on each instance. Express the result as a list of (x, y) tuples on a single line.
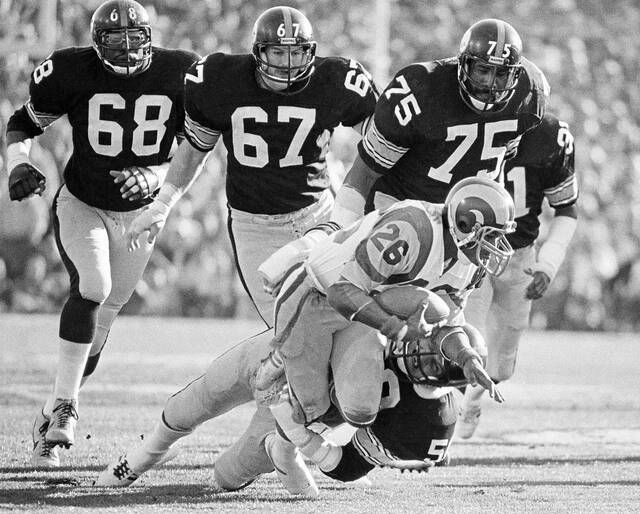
[(168, 195), (554, 249), (17, 153)]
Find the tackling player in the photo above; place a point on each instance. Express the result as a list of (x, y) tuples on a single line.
[(275, 110), (413, 430), (326, 319), (543, 168), (124, 101), (441, 121)]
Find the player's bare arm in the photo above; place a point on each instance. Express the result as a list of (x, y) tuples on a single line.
[(351, 197), (185, 168)]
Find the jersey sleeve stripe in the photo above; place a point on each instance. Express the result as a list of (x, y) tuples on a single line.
[(563, 194), (200, 136), (382, 151), (370, 448), (41, 119)]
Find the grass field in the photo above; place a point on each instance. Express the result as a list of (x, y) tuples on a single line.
[(566, 440)]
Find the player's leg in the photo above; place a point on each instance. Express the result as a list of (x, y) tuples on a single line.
[(476, 312), (126, 269), (84, 247), (305, 343), (255, 237), (511, 311), (226, 384), (502, 329), (357, 363)]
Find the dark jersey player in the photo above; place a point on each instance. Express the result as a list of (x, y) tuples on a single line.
[(500, 308), (413, 429), (124, 101), (276, 110), (441, 121)]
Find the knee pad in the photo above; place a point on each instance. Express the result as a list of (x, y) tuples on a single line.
[(95, 287), (78, 320)]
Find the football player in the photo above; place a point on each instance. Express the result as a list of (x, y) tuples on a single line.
[(276, 110), (543, 168), (326, 319), (418, 394), (441, 121), (124, 100)]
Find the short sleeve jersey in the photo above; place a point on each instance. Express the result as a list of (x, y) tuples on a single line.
[(543, 168), (116, 121), (276, 143), (408, 427), (424, 138)]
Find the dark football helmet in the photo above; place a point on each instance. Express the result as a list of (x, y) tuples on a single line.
[(289, 29), (480, 213), (422, 362), (121, 35), (489, 65)]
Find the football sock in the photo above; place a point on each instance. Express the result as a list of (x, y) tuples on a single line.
[(72, 358), (163, 437)]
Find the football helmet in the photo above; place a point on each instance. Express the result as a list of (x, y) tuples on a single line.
[(489, 65), (287, 29), (480, 213), (422, 361), (121, 36)]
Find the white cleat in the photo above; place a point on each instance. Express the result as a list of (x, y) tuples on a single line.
[(471, 411), (62, 425), (290, 466), (118, 474), (127, 469), (44, 454)]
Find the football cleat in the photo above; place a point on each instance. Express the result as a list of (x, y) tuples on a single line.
[(469, 417), (62, 425), (44, 454), (290, 466), (127, 469), (118, 474)]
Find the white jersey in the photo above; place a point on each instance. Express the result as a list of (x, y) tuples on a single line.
[(401, 245)]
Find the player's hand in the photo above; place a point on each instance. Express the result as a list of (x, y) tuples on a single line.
[(137, 182), (150, 220), (414, 328), (475, 374), (25, 181), (538, 285)]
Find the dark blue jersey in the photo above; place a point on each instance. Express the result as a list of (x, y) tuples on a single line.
[(116, 121), (424, 138), (276, 143), (408, 427), (543, 167)]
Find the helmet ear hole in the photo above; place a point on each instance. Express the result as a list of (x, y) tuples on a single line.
[(465, 224)]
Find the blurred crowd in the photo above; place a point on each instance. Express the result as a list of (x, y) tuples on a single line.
[(587, 49)]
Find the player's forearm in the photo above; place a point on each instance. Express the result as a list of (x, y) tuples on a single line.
[(186, 166), (356, 305), (351, 197), (554, 249), (456, 347), (18, 148), (184, 169)]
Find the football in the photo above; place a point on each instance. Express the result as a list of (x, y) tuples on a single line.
[(403, 301)]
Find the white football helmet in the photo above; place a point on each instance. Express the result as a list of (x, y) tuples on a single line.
[(480, 213)]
